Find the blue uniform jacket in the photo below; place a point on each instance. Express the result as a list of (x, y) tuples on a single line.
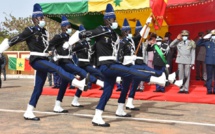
[(210, 50)]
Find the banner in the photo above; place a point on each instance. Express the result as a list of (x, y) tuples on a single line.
[(19, 64), (158, 9)]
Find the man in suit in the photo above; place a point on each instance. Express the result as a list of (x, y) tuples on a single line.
[(200, 58), (172, 53), (185, 57)]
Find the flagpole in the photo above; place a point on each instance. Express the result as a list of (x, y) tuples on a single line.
[(156, 21)]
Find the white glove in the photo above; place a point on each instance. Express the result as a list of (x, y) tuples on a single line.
[(74, 38), (167, 65), (192, 66), (77, 77), (134, 57), (149, 20), (118, 80), (4, 45), (55, 58), (207, 36), (66, 45), (88, 39)]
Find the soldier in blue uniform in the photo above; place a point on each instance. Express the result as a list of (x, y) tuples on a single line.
[(139, 61), (56, 76), (126, 54), (36, 39), (84, 52), (64, 59), (107, 42), (209, 43)]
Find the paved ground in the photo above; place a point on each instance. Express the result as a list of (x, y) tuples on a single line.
[(154, 117)]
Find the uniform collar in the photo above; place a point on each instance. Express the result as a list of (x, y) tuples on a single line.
[(65, 34), (37, 28)]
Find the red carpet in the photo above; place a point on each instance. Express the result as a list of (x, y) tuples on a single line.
[(197, 93)]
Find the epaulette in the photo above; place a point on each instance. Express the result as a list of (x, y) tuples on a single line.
[(104, 28), (125, 40), (122, 41), (192, 44), (60, 35), (63, 35), (31, 29)]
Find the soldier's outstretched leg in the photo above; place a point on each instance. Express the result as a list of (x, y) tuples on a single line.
[(42, 67)]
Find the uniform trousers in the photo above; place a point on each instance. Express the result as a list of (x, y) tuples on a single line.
[(158, 87), (201, 70), (110, 73), (93, 71), (210, 73), (42, 67), (69, 67), (184, 72), (57, 79), (50, 78), (135, 82)]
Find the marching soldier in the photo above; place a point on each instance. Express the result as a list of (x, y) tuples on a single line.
[(107, 42), (84, 51), (65, 61), (126, 54), (36, 38), (185, 57), (209, 43)]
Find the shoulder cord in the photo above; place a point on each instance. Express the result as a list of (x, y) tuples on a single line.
[(45, 41), (131, 41), (115, 46)]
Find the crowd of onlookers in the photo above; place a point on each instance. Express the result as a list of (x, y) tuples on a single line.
[(187, 54)]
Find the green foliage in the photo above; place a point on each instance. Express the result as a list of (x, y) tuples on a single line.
[(13, 26), (3, 34)]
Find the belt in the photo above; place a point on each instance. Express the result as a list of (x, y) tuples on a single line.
[(64, 57), (104, 58), (128, 60), (139, 58), (39, 54), (86, 60)]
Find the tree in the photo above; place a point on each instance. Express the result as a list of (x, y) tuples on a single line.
[(13, 26), (3, 34)]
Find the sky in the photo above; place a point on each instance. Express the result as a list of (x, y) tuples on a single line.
[(21, 8)]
